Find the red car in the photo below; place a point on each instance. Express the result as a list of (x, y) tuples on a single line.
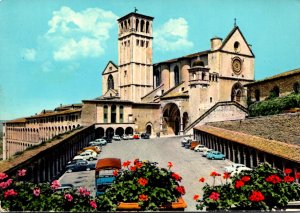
[(136, 136)]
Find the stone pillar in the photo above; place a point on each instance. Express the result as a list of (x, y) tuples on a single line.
[(251, 160), (257, 157), (238, 155), (181, 126), (245, 157)]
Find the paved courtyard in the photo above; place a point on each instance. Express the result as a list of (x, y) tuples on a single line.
[(189, 164)]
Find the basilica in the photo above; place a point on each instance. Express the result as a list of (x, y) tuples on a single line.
[(166, 98)]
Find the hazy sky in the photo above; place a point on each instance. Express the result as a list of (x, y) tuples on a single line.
[(53, 51)]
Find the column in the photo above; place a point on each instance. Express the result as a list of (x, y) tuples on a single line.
[(238, 155), (181, 126), (257, 157), (251, 160)]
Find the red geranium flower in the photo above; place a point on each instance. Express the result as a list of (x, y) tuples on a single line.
[(138, 164), (93, 204), (273, 179), (126, 163), (288, 179), (180, 189), (288, 171), (239, 184), (214, 174), (256, 196), (143, 197), (226, 175), (214, 196), (196, 197), (115, 173), (143, 181), (133, 168), (297, 176), (176, 176), (202, 179), (10, 192), (22, 172), (68, 197), (170, 164), (245, 178), (3, 176)]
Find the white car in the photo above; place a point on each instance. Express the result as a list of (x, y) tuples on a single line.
[(125, 137), (200, 148), (98, 142), (233, 167), (116, 138), (240, 170), (86, 155)]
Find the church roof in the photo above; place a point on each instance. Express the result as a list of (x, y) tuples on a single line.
[(18, 120), (281, 75), (135, 14)]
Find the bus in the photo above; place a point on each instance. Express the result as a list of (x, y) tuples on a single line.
[(104, 173)]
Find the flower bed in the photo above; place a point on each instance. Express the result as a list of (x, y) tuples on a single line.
[(264, 188)]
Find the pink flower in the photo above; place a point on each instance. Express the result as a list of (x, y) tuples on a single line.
[(22, 172), (3, 176), (37, 192), (10, 192), (55, 184), (170, 164), (83, 192), (93, 204), (4, 185), (68, 197)]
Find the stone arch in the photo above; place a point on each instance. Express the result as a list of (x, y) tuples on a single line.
[(171, 119), (296, 87), (129, 131), (237, 92), (99, 132), (119, 131), (110, 132), (149, 128), (185, 119), (110, 82), (137, 21)]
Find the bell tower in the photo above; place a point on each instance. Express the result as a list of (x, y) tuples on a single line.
[(135, 56)]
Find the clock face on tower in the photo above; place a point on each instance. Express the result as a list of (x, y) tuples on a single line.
[(237, 65)]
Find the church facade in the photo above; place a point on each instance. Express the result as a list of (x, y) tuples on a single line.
[(169, 97), (165, 98)]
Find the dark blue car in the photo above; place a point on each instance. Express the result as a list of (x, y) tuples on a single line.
[(80, 166)]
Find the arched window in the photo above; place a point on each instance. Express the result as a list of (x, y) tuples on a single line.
[(296, 87), (236, 46), (105, 109), (147, 27), (121, 114), (157, 77), (110, 82), (136, 25), (176, 75), (274, 92), (113, 114), (142, 25), (236, 92), (257, 95)]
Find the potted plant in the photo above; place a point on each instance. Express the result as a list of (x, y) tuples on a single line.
[(142, 185), (263, 188)]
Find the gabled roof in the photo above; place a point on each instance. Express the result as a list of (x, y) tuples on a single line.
[(229, 36), (171, 93), (110, 62)]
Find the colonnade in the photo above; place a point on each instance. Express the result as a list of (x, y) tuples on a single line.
[(243, 154), (47, 164)]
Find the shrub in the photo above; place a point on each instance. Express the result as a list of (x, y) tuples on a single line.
[(264, 188)]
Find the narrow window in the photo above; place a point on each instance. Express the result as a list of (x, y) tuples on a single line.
[(257, 95), (296, 87), (113, 114), (105, 114), (110, 82), (121, 114), (176, 75)]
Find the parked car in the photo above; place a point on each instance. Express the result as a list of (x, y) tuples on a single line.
[(215, 155), (116, 138), (194, 144), (240, 169), (206, 152), (200, 148), (130, 137), (86, 155), (76, 160), (186, 140), (80, 166), (97, 149), (125, 137), (98, 142), (136, 136), (108, 139), (233, 167), (145, 136)]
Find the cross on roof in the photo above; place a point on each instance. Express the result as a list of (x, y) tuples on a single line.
[(135, 10), (235, 22)]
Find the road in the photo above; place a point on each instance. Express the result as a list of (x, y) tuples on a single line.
[(189, 164)]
